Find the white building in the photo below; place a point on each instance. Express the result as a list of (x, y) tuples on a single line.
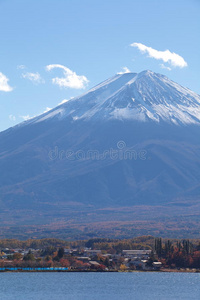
[(142, 254)]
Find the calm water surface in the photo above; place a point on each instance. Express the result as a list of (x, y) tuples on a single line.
[(96, 286)]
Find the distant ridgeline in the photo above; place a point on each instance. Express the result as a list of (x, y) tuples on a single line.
[(141, 242)]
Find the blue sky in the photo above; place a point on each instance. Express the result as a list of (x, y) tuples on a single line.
[(52, 50)]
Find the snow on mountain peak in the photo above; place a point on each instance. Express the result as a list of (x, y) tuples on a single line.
[(144, 96)]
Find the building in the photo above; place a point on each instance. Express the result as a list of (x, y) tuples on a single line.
[(91, 253), (157, 265), (142, 254)]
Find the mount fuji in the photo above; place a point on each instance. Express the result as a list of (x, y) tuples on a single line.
[(146, 96), (131, 143)]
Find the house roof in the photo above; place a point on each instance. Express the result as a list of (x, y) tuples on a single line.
[(137, 252), (92, 262)]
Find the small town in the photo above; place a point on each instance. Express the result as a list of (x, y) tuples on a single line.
[(110, 255)]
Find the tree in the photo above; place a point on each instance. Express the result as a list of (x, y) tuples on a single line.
[(48, 251), (107, 262), (48, 258), (196, 259), (61, 252), (17, 256), (150, 260), (123, 267), (29, 256), (65, 262), (158, 246)]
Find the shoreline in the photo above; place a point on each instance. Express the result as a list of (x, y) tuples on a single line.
[(101, 271)]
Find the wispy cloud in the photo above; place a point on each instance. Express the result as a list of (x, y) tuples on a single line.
[(70, 79), (34, 77), (125, 70), (167, 56), (21, 67), (165, 67), (4, 86), (12, 118)]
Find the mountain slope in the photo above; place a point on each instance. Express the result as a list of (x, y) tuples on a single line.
[(131, 140), (142, 97)]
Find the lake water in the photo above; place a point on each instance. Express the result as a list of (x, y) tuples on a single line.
[(96, 286)]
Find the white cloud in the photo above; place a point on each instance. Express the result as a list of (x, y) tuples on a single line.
[(4, 86), (172, 58), (21, 67), (34, 77), (125, 70), (70, 79), (165, 67), (12, 118)]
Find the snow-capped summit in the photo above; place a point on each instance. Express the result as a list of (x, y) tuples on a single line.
[(146, 96)]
